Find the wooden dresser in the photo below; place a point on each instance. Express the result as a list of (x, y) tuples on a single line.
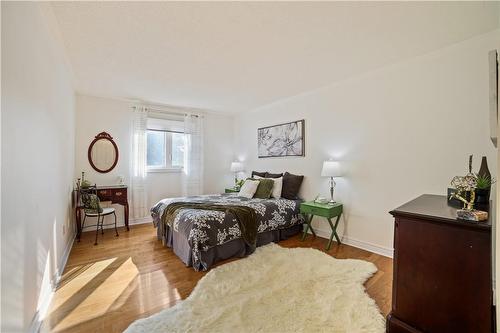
[(442, 270), (117, 194)]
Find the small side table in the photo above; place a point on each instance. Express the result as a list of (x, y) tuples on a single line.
[(310, 209), (231, 190)]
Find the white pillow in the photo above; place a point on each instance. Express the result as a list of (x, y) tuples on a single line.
[(277, 186), (249, 188)]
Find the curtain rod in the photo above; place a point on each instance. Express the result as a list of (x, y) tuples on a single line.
[(170, 112)]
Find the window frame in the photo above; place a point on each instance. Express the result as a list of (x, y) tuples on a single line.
[(167, 166)]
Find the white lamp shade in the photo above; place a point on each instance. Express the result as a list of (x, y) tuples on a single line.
[(237, 167), (331, 169)]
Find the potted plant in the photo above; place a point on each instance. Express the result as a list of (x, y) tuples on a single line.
[(239, 184), (483, 188)]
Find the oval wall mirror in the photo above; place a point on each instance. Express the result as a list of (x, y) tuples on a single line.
[(103, 153)]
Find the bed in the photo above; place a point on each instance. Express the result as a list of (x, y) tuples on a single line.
[(200, 238)]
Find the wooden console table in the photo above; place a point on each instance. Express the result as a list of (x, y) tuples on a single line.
[(117, 194)]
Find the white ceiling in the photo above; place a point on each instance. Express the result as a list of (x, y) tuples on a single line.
[(236, 56)]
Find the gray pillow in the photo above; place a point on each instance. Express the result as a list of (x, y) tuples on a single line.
[(274, 175), (291, 186), (260, 174)]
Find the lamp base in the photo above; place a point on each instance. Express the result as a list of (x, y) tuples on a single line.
[(332, 188), (332, 202)]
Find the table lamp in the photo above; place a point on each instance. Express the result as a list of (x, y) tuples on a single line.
[(331, 169), (236, 167)]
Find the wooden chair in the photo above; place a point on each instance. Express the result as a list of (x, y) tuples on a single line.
[(90, 204)]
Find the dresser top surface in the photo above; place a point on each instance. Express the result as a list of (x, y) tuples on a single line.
[(436, 208)]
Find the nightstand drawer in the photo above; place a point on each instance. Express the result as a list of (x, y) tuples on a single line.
[(314, 210), (321, 209)]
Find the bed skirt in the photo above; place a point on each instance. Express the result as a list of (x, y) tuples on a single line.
[(236, 248)]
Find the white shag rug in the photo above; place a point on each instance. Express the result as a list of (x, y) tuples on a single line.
[(275, 290)]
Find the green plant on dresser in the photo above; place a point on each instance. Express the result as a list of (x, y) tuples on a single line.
[(329, 211)]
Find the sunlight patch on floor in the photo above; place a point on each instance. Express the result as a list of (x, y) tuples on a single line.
[(101, 285), (76, 278)]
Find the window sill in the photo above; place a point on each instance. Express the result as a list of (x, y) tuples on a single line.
[(169, 170)]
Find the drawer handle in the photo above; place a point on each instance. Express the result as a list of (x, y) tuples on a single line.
[(118, 194), (103, 192)]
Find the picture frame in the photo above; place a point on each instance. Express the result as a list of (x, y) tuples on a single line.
[(282, 140)]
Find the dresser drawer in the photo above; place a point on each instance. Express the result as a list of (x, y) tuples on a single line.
[(104, 195), (115, 195), (119, 195)]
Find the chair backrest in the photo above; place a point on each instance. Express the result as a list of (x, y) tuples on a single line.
[(89, 199)]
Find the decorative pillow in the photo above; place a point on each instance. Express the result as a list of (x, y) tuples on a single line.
[(291, 185), (260, 174), (91, 203), (249, 188), (277, 186), (274, 175), (265, 188)]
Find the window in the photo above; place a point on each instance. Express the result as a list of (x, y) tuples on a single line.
[(165, 147)]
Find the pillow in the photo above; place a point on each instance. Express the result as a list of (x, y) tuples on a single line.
[(273, 175), (91, 203), (291, 185), (260, 174), (249, 188), (265, 188), (277, 186)]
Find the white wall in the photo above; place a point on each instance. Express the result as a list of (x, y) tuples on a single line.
[(38, 162), (400, 131), (97, 114)]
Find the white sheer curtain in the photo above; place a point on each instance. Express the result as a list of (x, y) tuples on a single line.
[(138, 193), (192, 180)]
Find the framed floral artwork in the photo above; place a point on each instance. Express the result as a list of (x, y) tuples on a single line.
[(282, 140)]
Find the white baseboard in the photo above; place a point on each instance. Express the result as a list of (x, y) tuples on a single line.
[(64, 259), (384, 251), (36, 323), (144, 220)]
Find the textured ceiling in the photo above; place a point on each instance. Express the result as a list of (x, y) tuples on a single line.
[(236, 56)]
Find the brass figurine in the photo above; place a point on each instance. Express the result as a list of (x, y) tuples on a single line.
[(463, 185)]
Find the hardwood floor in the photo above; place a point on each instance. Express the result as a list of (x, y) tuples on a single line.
[(106, 287)]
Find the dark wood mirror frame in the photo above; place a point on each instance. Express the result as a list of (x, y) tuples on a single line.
[(102, 136)]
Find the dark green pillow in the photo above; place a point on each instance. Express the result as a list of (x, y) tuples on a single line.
[(265, 188)]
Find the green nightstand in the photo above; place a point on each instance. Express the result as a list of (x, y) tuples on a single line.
[(311, 208), (231, 190)]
